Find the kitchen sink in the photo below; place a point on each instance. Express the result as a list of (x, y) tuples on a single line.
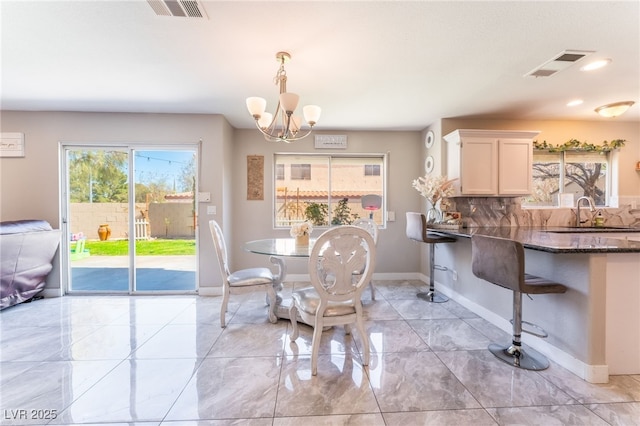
[(592, 229)]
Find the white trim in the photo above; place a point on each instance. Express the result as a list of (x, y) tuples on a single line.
[(590, 373), (386, 276), (51, 292), (210, 291)]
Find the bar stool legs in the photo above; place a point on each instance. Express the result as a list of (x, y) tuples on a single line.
[(431, 295), (515, 354)]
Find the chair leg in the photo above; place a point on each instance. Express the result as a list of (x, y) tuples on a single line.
[(515, 354), (315, 345), (365, 341), (293, 314), (373, 290), (431, 295), (223, 307)]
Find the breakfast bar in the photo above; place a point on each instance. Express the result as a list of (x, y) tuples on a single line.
[(594, 328)]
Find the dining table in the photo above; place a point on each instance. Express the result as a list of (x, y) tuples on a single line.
[(278, 250)]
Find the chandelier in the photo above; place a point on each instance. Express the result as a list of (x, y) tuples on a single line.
[(283, 125)]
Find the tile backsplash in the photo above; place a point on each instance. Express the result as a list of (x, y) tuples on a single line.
[(508, 211)]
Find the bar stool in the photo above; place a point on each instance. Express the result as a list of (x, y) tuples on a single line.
[(417, 231), (501, 261)]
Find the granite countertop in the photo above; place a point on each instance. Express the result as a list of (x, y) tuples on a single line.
[(559, 239)]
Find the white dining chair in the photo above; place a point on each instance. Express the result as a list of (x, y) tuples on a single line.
[(241, 281), (334, 298), (372, 227)]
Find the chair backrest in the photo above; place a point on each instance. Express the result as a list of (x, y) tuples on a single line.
[(370, 226), (498, 260), (335, 255), (221, 248), (416, 226)]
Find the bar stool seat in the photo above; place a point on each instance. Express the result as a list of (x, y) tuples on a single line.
[(417, 230), (500, 261)]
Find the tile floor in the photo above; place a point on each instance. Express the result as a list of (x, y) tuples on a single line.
[(151, 360)]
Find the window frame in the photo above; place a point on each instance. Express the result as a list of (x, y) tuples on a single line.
[(384, 157), (609, 185)]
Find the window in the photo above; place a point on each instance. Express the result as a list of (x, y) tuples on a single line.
[(334, 195), (583, 173), (279, 171), (300, 171), (372, 169)]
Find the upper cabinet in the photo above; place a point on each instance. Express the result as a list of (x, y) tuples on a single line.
[(490, 162)]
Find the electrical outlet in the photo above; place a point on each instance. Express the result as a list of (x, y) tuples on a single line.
[(455, 275)]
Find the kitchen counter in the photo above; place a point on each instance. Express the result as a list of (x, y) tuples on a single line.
[(594, 328), (560, 239)]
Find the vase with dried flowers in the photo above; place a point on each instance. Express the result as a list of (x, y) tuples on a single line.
[(435, 189), (301, 231)]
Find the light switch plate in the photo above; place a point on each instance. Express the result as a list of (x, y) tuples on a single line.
[(211, 210), (391, 216), (204, 197)]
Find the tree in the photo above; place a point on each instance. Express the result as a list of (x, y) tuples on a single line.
[(342, 213), (98, 176), (152, 192), (317, 213), (584, 175), (187, 177)]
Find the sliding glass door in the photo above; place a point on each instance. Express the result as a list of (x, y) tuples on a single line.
[(130, 217)]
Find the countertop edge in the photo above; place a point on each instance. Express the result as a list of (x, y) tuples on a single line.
[(544, 239)]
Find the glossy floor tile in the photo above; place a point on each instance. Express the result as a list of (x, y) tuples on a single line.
[(164, 360)]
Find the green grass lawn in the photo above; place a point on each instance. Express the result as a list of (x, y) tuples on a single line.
[(143, 247)]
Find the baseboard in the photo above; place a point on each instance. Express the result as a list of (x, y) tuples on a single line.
[(589, 373), (51, 292), (384, 276), (210, 291)]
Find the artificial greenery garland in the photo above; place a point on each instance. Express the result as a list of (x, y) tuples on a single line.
[(576, 145)]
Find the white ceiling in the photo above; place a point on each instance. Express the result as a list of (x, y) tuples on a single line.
[(370, 65)]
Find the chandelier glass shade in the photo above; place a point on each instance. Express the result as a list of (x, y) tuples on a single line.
[(283, 125), (615, 109)]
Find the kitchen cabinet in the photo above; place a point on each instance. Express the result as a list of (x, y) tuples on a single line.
[(490, 162)]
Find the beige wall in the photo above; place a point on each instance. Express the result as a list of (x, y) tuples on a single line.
[(254, 220), (30, 185)]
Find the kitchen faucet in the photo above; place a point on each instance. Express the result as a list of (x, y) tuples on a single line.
[(592, 207)]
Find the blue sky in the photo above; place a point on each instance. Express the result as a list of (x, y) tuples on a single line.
[(156, 165)]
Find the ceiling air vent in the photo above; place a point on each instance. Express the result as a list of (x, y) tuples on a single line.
[(559, 62), (182, 8)]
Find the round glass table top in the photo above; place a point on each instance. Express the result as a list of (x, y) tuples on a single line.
[(279, 247)]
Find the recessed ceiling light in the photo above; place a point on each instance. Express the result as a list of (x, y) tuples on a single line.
[(575, 102), (596, 65)]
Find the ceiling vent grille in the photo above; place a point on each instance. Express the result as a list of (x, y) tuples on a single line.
[(558, 63), (180, 8)]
